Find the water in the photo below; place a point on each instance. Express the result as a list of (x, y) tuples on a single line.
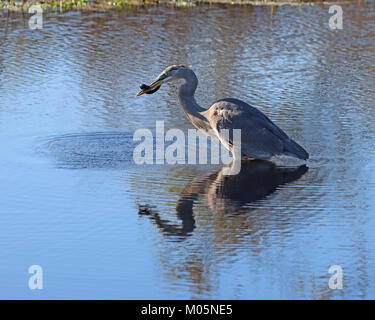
[(73, 201)]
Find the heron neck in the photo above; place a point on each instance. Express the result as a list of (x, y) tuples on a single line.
[(190, 107)]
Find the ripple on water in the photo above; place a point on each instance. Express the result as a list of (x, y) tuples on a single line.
[(89, 150)]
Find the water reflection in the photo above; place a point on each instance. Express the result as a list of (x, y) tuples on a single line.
[(241, 238), (225, 194)]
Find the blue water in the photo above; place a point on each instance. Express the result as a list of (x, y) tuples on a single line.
[(101, 227)]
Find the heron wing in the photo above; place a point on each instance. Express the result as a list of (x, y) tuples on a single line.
[(260, 137)]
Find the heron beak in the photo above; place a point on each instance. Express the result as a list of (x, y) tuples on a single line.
[(151, 88)]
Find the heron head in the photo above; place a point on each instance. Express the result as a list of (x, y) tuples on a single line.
[(168, 74)]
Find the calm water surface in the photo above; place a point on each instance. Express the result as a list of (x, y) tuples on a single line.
[(74, 202)]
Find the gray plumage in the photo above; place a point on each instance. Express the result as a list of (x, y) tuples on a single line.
[(260, 137)]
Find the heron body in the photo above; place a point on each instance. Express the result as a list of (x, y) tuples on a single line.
[(260, 137)]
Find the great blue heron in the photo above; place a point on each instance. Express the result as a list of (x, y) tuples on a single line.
[(260, 137)]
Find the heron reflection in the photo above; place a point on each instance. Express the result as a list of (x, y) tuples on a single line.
[(226, 194)]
